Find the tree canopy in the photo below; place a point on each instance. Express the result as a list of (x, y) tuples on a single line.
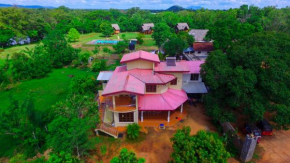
[(73, 35), (127, 156), (252, 79), (202, 147)]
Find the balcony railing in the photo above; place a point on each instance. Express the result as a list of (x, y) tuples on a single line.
[(127, 104)]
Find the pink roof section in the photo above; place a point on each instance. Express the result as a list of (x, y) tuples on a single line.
[(140, 55), (122, 82), (194, 66), (180, 67), (149, 77), (167, 101)]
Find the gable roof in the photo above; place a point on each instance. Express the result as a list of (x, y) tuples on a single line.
[(122, 82), (203, 46), (140, 55), (194, 66), (149, 77), (147, 26), (116, 27), (199, 34), (182, 26)]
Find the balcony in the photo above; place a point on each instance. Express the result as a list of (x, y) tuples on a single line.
[(123, 103)]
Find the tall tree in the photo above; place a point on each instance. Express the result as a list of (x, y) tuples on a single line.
[(161, 33), (73, 35), (202, 147), (252, 78), (106, 29)]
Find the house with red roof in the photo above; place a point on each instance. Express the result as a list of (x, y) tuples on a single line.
[(144, 90)]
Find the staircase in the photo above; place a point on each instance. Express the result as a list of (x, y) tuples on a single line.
[(108, 129)]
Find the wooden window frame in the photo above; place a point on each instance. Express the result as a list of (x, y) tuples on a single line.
[(151, 88), (126, 117), (194, 77), (174, 82)]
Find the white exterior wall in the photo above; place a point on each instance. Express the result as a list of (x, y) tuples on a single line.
[(179, 77), (117, 123), (186, 78)]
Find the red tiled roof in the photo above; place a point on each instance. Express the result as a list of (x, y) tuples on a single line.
[(170, 100), (203, 46), (140, 55), (180, 67), (149, 77)]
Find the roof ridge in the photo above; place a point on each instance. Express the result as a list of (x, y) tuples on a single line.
[(166, 100), (136, 77), (126, 82)]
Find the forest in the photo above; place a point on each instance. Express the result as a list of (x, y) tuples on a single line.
[(248, 74)]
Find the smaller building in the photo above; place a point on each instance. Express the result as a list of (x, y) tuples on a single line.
[(181, 27), (116, 28), (202, 48), (147, 28), (199, 34)]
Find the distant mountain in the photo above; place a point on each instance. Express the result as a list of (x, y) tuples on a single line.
[(175, 8), (193, 7), (21, 6)]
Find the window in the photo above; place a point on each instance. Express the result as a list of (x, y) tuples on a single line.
[(126, 117), (174, 82), (194, 76), (199, 52), (150, 88)]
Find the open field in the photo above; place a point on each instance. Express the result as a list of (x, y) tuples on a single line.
[(149, 44)]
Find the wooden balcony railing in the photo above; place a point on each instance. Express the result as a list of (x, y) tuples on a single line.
[(108, 129)]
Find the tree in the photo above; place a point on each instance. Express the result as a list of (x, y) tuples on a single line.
[(24, 123), (140, 38), (186, 37), (83, 85), (60, 51), (61, 157), (5, 36), (161, 33), (120, 47), (3, 78), (71, 121), (127, 156), (133, 131), (73, 35), (175, 46), (202, 147), (251, 79), (99, 65), (106, 29), (84, 57)]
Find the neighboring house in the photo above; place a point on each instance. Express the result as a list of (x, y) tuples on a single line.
[(147, 28), (116, 28), (181, 27), (199, 34), (146, 91), (202, 48)]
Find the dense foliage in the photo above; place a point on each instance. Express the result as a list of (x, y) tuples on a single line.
[(73, 35), (127, 156), (83, 85), (133, 131), (202, 147), (252, 78)]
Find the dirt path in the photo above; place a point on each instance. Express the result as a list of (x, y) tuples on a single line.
[(156, 146)]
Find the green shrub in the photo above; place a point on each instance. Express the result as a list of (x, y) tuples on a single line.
[(127, 157), (99, 65), (133, 131), (83, 85)]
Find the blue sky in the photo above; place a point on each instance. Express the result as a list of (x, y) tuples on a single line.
[(148, 4)]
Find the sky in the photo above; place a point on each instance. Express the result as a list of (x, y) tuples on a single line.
[(148, 4)]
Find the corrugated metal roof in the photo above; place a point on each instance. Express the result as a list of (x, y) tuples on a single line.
[(140, 55), (170, 100), (105, 75), (199, 34), (182, 26), (116, 27), (149, 77), (194, 66), (180, 67), (194, 87)]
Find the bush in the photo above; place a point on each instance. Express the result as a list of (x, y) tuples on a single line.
[(133, 131), (120, 47), (140, 38), (99, 65), (83, 85), (73, 35), (127, 157), (84, 57)]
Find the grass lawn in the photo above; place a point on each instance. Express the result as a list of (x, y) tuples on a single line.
[(46, 91)]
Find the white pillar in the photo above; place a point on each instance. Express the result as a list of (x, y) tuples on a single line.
[(181, 109), (141, 116), (114, 103), (168, 118)]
